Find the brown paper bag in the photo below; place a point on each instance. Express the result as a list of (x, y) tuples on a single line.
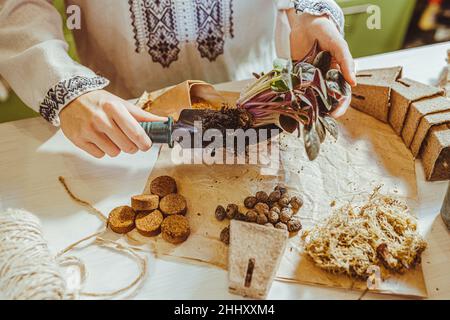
[(186, 95)]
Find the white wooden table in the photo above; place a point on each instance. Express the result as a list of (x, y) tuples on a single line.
[(33, 154)]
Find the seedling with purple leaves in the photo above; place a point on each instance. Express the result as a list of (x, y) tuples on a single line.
[(300, 96)]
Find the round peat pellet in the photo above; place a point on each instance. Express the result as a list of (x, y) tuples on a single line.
[(145, 202), (251, 215), (121, 219), (285, 215), (163, 186), (274, 196), (284, 201), (232, 210), (281, 226), (225, 235), (261, 219), (173, 204), (149, 224), (294, 225), (296, 203), (262, 196), (262, 208), (274, 217), (175, 229), (282, 189), (220, 213), (250, 202), (240, 216), (276, 207)]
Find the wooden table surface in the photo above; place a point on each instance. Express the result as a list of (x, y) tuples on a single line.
[(33, 154)]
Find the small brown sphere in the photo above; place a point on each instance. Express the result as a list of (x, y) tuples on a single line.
[(225, 235), (274, 196), (274, 217), (262, 196), (232, 210), (250, 202), (281, 226), (283, 202), (285, 216), (251, 215), (262, 219), (282, 189), (240, 216), (296, 203), (294, 225), (262, 208), (220, 213), (288, 211), (276, 207)]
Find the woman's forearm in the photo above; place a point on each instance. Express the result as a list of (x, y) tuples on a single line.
[(34, 58)]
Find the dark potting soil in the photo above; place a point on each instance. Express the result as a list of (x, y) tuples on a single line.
[(227, 118)]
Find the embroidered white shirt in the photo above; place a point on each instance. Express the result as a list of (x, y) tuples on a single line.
[(137, 45)]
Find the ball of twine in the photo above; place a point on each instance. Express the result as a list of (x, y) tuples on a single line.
[(27, 268), (28, 271)]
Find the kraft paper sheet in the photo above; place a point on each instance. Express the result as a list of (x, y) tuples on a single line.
[(368, 153)]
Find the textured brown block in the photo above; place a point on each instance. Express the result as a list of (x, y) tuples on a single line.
[(436, 153), (254, 257), (425, 125), (404, 92), (417, 111), (373, 91), (144, 202)]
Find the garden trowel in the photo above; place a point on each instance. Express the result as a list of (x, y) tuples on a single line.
[(163, 132)]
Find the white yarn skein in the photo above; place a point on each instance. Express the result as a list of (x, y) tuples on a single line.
[(27, 268)]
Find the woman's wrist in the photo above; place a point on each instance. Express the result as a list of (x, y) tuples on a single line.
[(66, 91)]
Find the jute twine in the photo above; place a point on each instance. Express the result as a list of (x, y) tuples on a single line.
[(29, 271)]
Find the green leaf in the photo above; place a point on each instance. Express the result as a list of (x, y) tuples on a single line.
[(330, 124), (280, 64), (312, 142), (336, 83), (323, 62), (321, 131), (279, 85), (305, 72)]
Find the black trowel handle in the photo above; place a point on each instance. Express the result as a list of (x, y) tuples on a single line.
[(159, 132)]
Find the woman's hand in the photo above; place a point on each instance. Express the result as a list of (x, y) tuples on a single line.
[(306, 29), (101, 123)]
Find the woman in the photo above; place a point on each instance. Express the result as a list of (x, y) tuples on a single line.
[(136, 45)]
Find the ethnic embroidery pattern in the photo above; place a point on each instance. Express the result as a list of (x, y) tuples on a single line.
[(64, 92), (210, 37), (161, 26), (319, 7), (154, 21)]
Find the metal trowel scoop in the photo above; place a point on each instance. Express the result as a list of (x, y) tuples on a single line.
[(163, 132)]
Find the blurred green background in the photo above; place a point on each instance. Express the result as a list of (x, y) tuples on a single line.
[(14, 108), (395, 20)]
